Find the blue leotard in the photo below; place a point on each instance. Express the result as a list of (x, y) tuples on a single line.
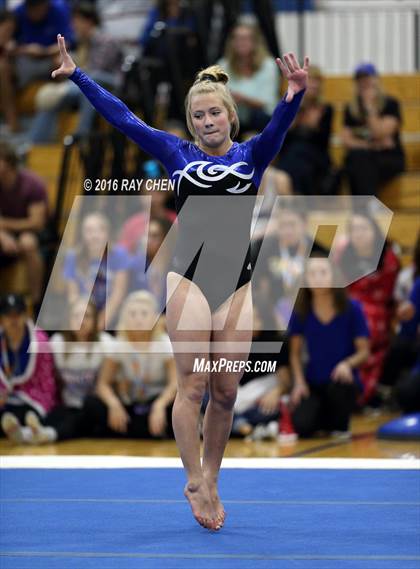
[(218, 231)]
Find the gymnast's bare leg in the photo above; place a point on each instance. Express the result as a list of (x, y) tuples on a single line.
[(224, 385), (191, 389)]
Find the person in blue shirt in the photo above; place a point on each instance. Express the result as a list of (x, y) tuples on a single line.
[(146, 256), (335, 332), (408, 387), (217, 323), (31, 54), (39, 20), (88, 272)]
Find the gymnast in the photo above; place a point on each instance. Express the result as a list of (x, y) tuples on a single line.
[(216, 314)]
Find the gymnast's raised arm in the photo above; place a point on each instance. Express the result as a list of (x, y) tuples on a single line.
[(155, 142), (267, 144)]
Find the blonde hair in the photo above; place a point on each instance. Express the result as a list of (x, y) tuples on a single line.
[(314, 72), (212, 80), (145, 297), (259, 54)]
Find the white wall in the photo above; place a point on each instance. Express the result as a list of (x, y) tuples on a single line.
[(337, 39), (377, 5)]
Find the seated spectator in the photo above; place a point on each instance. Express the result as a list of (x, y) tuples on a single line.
[(405, 346), (135, 227), (305, 154), (32, 56), (408, 387), (407, 276), (334, 331), (26, 378), (274, 183), (98, 268), (78, 356), (96, 53), (371, 134), (281, 259), (374, 291), (253, 76), (157, 266), (136, 387), (259, 393), (23, 217)]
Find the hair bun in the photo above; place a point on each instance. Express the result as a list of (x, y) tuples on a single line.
[(214, 74)]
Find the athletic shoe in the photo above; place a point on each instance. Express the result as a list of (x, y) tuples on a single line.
[(341, 435)]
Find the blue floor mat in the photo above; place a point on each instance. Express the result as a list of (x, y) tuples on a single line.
[(138, 518)]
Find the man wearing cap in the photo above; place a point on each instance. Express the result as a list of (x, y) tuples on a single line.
[(26, 369), (372, 121)]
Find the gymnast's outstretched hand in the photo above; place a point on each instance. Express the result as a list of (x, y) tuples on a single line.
[(296, 75), (67, 64)]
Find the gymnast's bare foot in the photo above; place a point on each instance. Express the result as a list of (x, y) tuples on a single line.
[(197, 493), (215, 500)]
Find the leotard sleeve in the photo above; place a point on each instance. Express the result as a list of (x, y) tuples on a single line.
[(267, 144), (161, 145)]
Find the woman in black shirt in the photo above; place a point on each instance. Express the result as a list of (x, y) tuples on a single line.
[(305, 156), (372, 122)]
